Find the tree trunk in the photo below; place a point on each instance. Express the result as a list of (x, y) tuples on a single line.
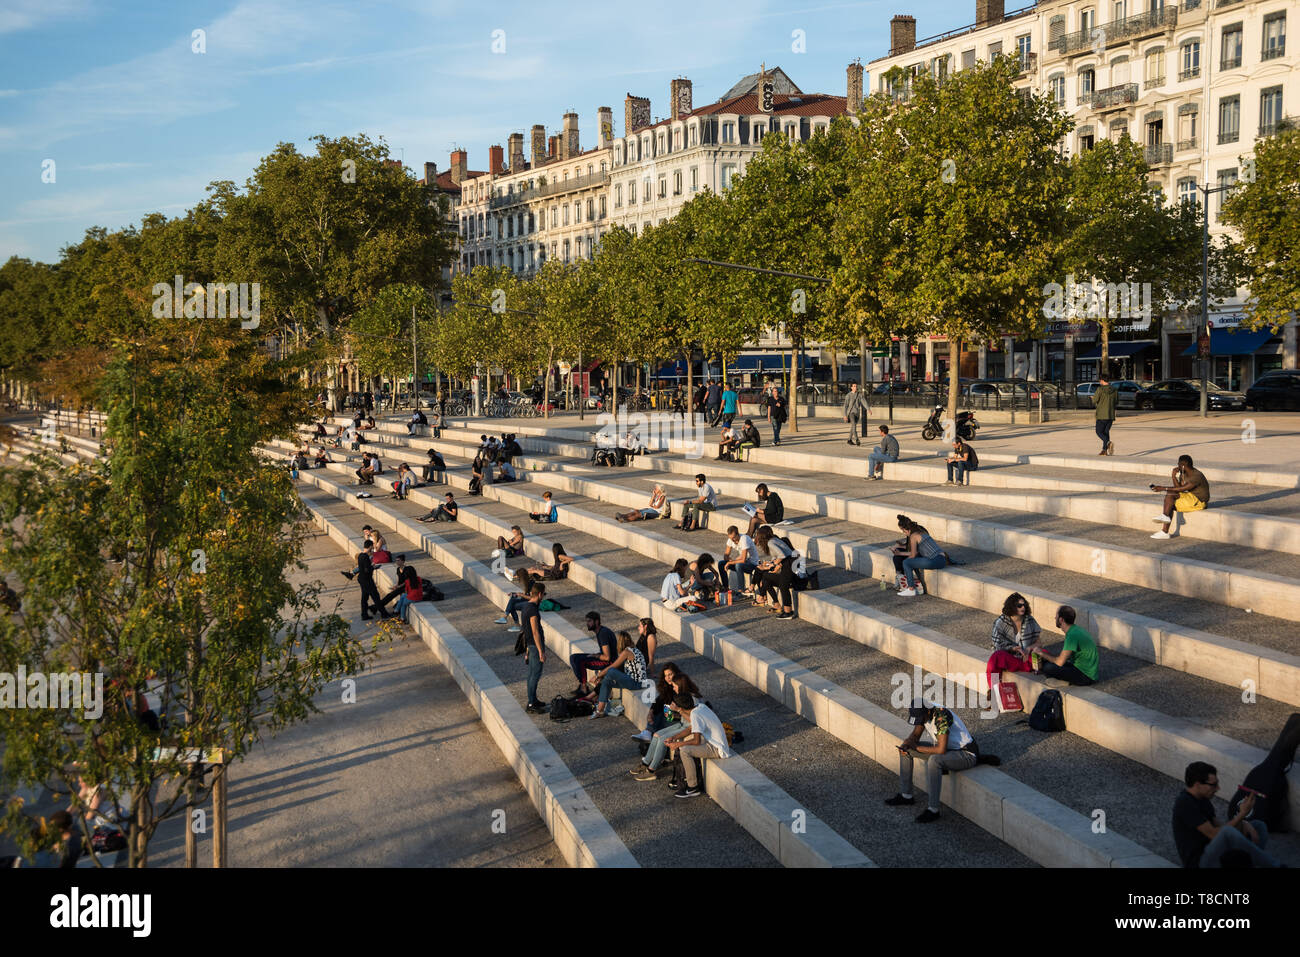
[(835, 372), (1103, 364), (954, 383), (792, 400), (690, 389), (546, 384)]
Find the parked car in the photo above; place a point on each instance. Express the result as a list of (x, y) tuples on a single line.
[(1126, 398), (1279, 389), (1186, 394)]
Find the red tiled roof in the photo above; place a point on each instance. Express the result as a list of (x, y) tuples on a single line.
[(444, 182), (802, 104)]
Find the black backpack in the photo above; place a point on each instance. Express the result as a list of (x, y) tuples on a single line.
[(972, 460), (1049, 712), (431, 591), (562, 708)]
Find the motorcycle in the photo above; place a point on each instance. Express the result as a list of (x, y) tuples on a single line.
[(966, 425)]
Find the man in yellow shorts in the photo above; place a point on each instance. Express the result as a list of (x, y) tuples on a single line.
[(1189, 493)]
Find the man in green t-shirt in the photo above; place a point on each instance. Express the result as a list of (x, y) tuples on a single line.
[(1078, 661)]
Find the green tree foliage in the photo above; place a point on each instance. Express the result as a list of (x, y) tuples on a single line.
[(1267, 214)]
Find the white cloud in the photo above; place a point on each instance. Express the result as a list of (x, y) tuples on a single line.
[(18, 15)]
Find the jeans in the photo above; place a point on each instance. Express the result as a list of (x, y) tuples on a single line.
[(1103, 431), (776, 432), (958, 469), (1231, 839), (659, 745), (615, 678), (935, 765), (534, 673), (432, 474), (736, 575), (877, 459), (512, 606), (1065, 673), (403, 603), (853, 428), (711, 412), (911, 565)]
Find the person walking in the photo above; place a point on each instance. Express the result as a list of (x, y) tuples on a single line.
[(713, 403), (777, 412), (855, 408), (1104, 401), (730, 406), (530, 618), (366, 579)]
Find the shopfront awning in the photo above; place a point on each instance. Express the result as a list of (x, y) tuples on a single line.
[(1228, 342), (771, 363), (1118, 350)]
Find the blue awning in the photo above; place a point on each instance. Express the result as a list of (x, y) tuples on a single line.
[(1229, 342), (771, 363), (1119, 350)]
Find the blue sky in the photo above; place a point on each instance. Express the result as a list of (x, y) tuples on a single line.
[(137, 122)]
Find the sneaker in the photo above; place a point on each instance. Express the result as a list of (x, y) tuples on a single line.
[(347, 575), (643, 736), (926, 816), (1162, 519), (685, 792), (513, 628), (1110, 448), (899, 800), (537, 708), (920, 588), (614, 710), (503, 620), (785, 616), (597, 714), (907, 593), (645, 774), (1161, 536)]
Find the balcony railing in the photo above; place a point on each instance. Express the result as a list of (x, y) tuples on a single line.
[(1028, 63), (549, 189), (1273, 52), (1231, 63), (1186, 144), (1191, 74), (1269, 128), (1160, 154), (1114, 96), (1154, 82), (1085, 99), (1191, 4), (1225, 3), (1153, 21), (1229, 136)]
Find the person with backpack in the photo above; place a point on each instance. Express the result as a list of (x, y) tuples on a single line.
[(547, 511), (1103, 401), (706, 739), (627, 671), (1016, 639), (953, 749), (961, 461), (1078, 663), (409, 588), (530, 619), (1201, 840)]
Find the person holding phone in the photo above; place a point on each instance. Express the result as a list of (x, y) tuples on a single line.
[(954, 749), (1201, 840), (1190, 492)]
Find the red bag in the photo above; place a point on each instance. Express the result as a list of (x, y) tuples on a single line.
[(380, 557), (1008, 697)]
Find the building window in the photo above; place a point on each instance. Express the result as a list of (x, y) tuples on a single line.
[(531, 223), (663, 185), (695, 179), (1087, 84), (758, 133), (1087, 20), (1187, 123), (555, 217), (1230, 55), (677, 183), (631, 193), (995, 50), (1118, 130), (1226, 177), (1274, 36), (1155, 68), (1190, 60), (1118, 11), (602, 207), (1155, 131), (1229, 119), (1270, 110), (1056, 86), (566, 214), (566, 250), (591, 209), (577, 211), (1086, 142), (728, 171), (694, 131), (618, 196), (967, 59), (1187, 192), (728, 132), (1023, 49), (647, 189)]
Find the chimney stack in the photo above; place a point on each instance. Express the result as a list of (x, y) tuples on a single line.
[(516, 142), (459, 167), (855, 88), (539, 145), (902, 34), (430, 174), (636, 114), (551, 142), (569, 137), (679, 98), (605, 125), (986, 12), (496, 165)]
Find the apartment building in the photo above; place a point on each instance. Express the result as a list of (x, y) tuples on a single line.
[(552, 207), (1196, 83)]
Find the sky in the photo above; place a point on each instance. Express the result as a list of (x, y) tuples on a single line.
[(112, 111)]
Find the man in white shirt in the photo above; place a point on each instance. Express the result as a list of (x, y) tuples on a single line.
[(739, 558), (708, 739), (707, 501)]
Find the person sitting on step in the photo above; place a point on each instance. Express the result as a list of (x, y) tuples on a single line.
[(953, 749), (658, 500)]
